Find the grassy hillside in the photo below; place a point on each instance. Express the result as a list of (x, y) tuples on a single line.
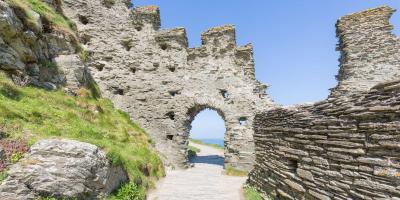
[(30, 114)]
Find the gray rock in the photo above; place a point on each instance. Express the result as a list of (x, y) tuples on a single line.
[(63, 169), (49, 86)]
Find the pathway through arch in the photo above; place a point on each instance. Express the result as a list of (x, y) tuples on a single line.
[(204, 181)]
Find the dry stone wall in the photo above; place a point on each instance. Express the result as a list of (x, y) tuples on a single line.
[(345, 147), (152, 74)]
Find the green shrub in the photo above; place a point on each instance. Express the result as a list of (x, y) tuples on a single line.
[(3, 176), (15, 157), (251, 193), (129, 191)]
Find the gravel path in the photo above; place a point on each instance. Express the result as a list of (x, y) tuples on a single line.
[(204, 181)]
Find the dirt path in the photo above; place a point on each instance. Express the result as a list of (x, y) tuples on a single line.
[(204, 181)]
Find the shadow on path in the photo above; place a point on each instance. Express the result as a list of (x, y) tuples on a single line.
[(209, 159)]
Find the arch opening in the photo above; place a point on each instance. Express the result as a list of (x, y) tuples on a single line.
[(206, 129)]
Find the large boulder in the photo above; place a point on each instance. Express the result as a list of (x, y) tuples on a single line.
[(62, 169)]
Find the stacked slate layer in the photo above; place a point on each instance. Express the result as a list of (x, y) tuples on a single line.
[(347, 146)]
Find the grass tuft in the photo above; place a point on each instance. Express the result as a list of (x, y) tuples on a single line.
[(251, 193), (231, 171)]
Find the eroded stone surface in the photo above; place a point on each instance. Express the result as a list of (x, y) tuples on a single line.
[(62, 169)]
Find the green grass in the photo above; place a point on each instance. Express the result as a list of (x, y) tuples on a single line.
[(3, 175), (251, 193), (15, 157), (230, 171), (32, 114), (206, 144), (55, 19), (129, 191)]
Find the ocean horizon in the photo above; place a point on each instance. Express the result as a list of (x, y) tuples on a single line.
[(216, 141)]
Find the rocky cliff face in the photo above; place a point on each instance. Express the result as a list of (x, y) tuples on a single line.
[(39, 48), (63, 169), (345, 147)]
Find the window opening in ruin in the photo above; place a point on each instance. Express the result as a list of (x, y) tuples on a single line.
[(99, 66), (170, 137), (243, 121), (138, 28), (208, 126), (174, 92), (171, 68), (171, 115), (164, 46), (83, 19), (119, 91), (133, 69), (292, 165), (224, 93)]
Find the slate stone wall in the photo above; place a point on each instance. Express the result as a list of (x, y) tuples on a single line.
[(347, 146)]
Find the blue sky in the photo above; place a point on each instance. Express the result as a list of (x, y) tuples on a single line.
[(294, 41)]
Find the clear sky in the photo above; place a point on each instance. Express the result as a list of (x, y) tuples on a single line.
[(294, 40)]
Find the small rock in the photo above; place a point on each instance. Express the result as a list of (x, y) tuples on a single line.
[(49, 86)]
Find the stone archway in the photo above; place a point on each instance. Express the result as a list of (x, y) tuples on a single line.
[(238, 138), (194, 112)]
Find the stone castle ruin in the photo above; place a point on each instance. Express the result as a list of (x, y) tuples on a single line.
[(344, 147), (152, 74), (347, 146)]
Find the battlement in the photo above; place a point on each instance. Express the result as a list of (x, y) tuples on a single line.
[(146, 15), (224, 36), (244, 58), (168, 36), (360, 22)]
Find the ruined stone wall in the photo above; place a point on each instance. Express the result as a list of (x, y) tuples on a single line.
[(369, 50), (153, 75), (345, 147)]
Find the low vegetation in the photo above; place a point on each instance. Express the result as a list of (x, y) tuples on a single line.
[(251, 193), (206, 144), (231, 171), (54, 19), (193, 151), (30, 114)]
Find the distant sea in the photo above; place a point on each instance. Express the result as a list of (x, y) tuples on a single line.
[(219, 142)]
